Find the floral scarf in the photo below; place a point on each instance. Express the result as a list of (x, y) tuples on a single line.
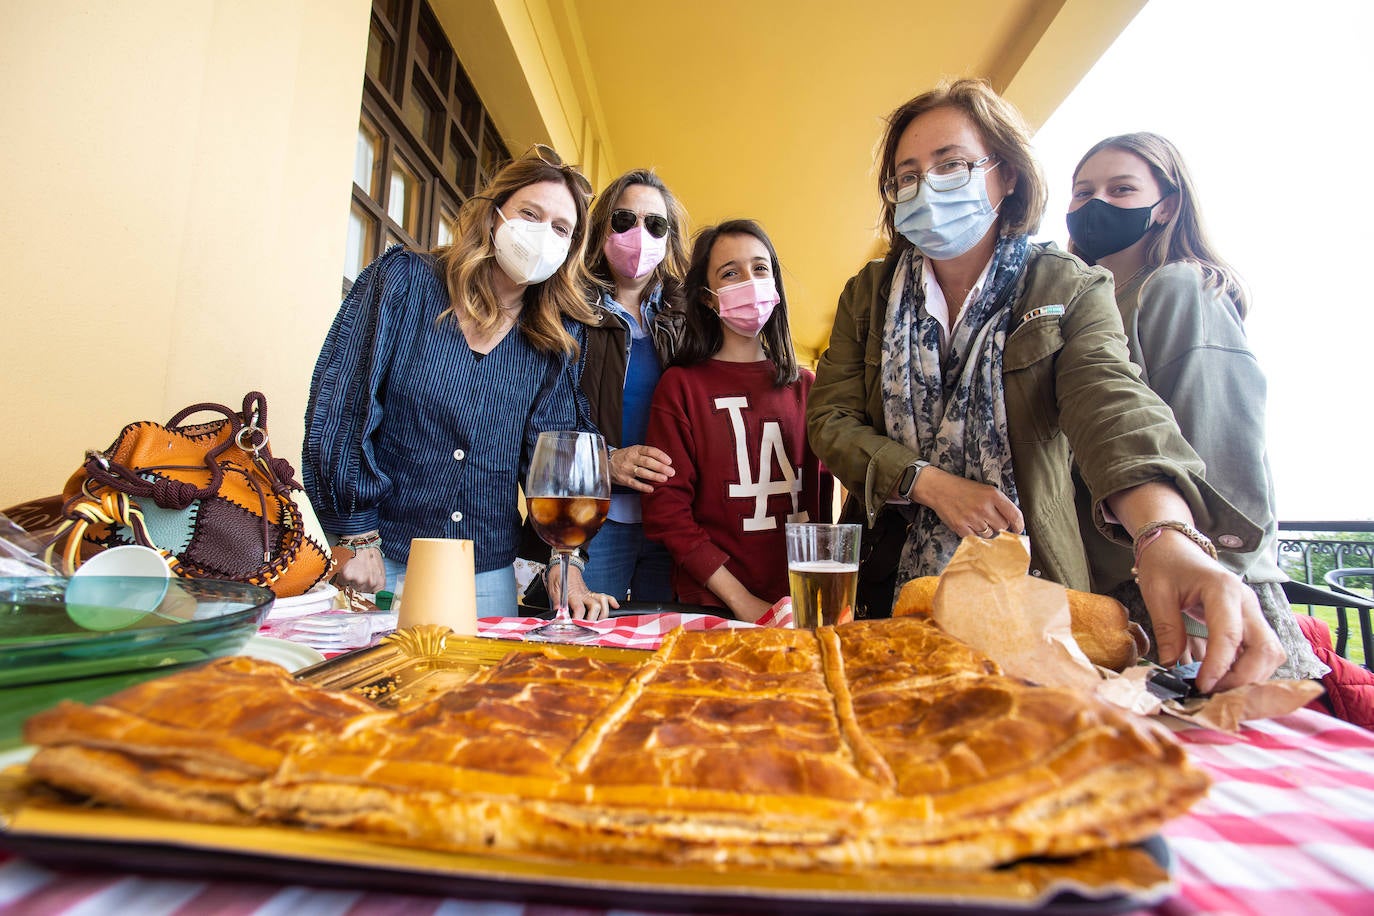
[(952, 412)]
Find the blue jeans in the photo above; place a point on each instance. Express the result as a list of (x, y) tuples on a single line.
[(495, 589), (624, 562)]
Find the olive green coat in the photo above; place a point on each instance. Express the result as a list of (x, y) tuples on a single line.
[(1071, 392)]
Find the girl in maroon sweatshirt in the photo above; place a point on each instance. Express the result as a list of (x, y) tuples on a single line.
[(731, 411)]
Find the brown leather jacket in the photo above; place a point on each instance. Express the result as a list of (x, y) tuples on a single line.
[(606, 356)]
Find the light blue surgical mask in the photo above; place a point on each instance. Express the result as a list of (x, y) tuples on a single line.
[(945, 224)]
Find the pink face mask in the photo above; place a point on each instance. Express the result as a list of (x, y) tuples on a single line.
[(634, 252), (747, 306)]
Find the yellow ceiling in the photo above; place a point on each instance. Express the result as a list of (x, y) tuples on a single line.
[(771, 109)]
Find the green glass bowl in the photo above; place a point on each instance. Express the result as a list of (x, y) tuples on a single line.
[(198, 619)]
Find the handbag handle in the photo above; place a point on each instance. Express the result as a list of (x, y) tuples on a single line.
[(175, 494)]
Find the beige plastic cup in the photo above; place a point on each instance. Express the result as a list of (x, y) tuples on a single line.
[(823, 571), (440, 586)]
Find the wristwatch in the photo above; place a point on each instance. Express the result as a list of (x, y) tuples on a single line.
[(908, 478)]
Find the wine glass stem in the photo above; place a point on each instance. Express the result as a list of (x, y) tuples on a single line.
[(561, 614)]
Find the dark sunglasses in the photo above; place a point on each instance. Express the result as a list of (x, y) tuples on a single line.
[(625, 220)]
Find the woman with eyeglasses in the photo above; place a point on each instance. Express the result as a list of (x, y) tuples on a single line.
[(969, 370), (730, 414), (637, 256), (439, 373), (1134, 211)]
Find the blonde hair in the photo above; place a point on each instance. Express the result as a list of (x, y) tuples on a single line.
[(1003, 131), (672, 268), (467, 263), (1183, 238)]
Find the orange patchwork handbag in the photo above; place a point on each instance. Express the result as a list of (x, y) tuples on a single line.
[(208, 496)]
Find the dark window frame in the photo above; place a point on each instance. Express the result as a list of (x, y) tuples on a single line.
[(463, 131)]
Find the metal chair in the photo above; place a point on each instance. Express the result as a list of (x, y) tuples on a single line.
[(1337, 578)]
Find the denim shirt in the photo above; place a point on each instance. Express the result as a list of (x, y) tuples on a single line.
[(409, 433)]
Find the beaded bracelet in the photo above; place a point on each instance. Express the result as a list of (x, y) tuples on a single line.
[(355, 542), (1148, 534)]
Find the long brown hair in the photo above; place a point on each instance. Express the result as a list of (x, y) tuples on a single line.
[(672, 268), (467, 263), (702, 338), (1183, 238), (1006, 136)]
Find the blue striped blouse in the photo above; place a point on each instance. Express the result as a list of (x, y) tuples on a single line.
[(407, 432)]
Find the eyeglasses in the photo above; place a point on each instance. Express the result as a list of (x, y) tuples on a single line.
[(549, 156), (625, 220), (950, 175)]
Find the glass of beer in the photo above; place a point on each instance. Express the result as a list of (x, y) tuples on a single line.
[(567, 495), (823, 569)]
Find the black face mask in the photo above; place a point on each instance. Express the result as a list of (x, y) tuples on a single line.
[(1098, 229)]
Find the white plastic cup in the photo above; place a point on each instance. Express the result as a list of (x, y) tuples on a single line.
[(117, 588)]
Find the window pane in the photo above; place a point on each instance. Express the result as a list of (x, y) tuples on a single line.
[(462, 164), (423, 115), (362, 242), (493, 151), (404, 203), (431, 48), (379, 57), (448, 227), (465, 104), (367, 161)]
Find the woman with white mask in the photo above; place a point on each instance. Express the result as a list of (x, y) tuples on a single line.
[(1134, 211), (968, 373), (637, 256), (731, 414), (439, 373)]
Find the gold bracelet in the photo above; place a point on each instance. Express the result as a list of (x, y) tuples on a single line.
[(1148, 534)]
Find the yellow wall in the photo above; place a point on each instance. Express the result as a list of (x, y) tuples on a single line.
[(174, 218), (527, 60)]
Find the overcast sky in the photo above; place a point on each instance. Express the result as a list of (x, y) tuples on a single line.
[(1269, 104)]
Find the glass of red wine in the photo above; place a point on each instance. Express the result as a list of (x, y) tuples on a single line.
[(567, 495)]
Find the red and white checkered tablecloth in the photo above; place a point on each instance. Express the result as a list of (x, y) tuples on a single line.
[(1288, 827), (640, 631)]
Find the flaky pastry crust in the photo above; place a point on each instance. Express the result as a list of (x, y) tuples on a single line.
[(875, 744)]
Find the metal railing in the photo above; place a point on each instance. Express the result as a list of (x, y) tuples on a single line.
[(1309, 559), (1308, 551)]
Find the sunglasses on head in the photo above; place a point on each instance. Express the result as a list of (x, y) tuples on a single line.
[(625, 220), (549, 156)]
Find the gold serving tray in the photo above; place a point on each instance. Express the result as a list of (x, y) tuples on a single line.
[(416, 664), (412, 666)]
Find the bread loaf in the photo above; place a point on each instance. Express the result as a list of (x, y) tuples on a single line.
[(1101, 626)]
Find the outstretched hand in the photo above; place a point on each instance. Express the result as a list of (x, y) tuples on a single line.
[(1177, 578)]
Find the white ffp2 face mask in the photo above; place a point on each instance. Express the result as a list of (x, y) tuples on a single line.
[(945, 224), (529, 252)]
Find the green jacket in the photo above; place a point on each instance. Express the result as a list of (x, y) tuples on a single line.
[(1072, 395)]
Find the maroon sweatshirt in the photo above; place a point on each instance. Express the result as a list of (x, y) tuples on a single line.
[(743, 469)]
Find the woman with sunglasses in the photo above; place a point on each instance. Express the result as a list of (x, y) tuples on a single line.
[(969, 371), (636, 256), (730, 413), (439, 373), (1134, 211)]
